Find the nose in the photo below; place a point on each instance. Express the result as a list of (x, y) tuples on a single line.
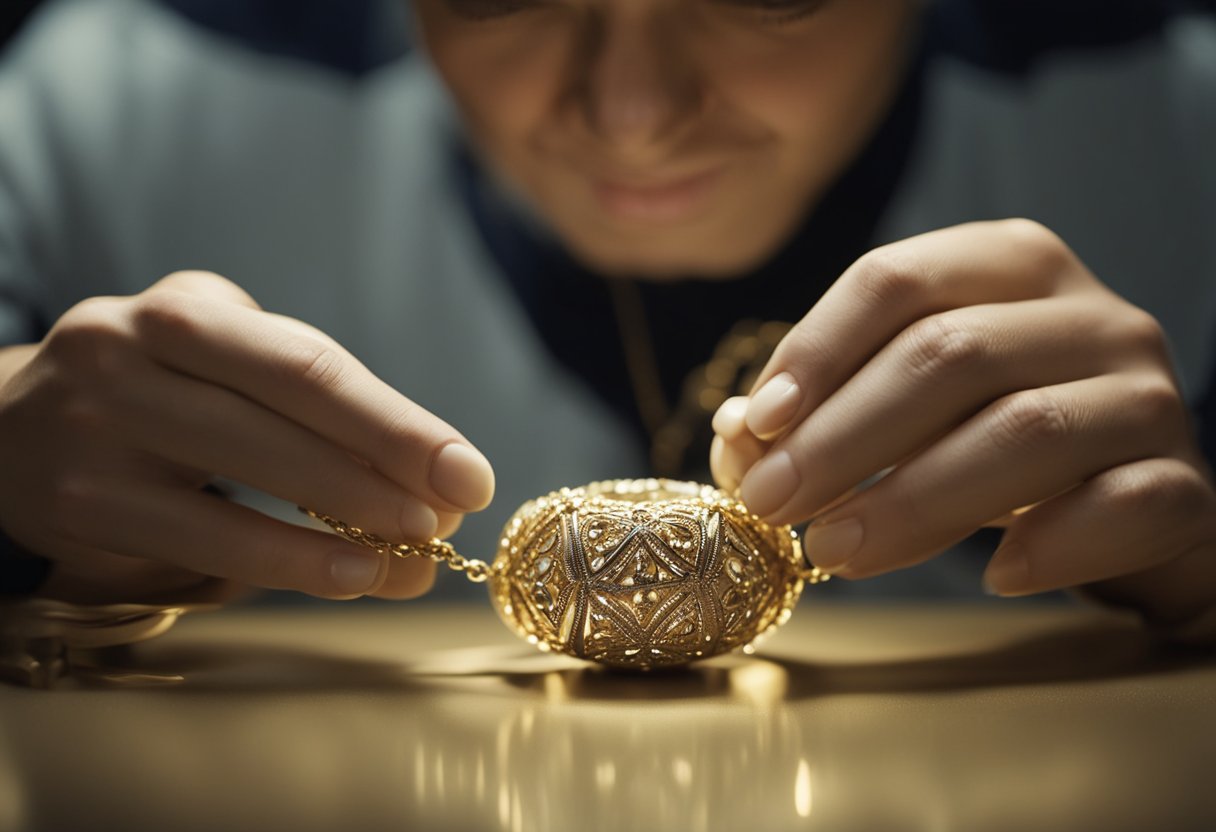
[(638, 88)]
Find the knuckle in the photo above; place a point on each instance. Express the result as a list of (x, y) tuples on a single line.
[(202, 283), (1156, 402), (1163, 486), (190, 277), (1035, 240), (1028, 419), (941, 344), (88, 335), (73, 498), (316, 363), (168, 315), (1146, 333), (889, 276)]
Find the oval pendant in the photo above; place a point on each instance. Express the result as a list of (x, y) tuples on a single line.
[(644, 573)]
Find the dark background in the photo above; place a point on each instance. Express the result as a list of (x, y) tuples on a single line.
[(352, 35)]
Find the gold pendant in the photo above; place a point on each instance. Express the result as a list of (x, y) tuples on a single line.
[(634, 573)]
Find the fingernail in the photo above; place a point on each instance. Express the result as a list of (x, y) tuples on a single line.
[(717, 466), (418, 521), (830, 546), (1008, 573), (726, 463), (355, 573), (463, 477), (731, 419), (774, 405), (770, 483), (735, 463)]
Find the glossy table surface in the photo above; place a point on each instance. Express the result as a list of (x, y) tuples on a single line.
[(421, 717)]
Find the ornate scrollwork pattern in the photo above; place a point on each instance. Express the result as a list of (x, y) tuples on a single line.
[(644, 573)]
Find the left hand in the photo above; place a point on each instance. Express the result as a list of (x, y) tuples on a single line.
[(1003, 384)]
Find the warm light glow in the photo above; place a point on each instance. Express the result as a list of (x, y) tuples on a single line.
[(420, 772), (479, 778), (802, 790), (682, 769), (517, 813), (504, 804), (605, 775)]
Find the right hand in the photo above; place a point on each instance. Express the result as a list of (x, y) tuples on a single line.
[(111, 427)]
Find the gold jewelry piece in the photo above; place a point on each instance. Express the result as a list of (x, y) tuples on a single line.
[(632, 573), (43, 641), (739, 357)]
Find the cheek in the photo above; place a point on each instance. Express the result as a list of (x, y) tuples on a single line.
[(505, 75), (820, 95)]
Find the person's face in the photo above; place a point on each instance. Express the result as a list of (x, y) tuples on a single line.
[(670, 138)]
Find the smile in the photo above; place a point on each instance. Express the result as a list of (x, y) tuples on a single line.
[(658, 201)]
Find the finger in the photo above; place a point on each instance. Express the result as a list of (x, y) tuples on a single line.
[(322, 387), (1021, 450), (205, 284), (716, 468), (734, 448), (208, 428), (1129, 521), (88, 575), (932, 376), (449, 524), (407, 578), (889, 288), (730, 420), (730, 460), (197, 532)]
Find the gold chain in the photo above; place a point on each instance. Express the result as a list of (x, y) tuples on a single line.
[(435, 549), (478, 571), (640, 354), (737, 360), (732, 370)]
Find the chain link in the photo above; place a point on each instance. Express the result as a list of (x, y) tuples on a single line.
[(814, 575), (435, 549)]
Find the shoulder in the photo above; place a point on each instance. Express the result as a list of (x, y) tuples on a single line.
[(1013, 38), (1104, 134), (134, 142)]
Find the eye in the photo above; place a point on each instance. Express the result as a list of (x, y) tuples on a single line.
[(777, 12), (488, 9)]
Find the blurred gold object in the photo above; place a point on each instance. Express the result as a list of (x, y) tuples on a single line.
[(43, 641), (633, 573)]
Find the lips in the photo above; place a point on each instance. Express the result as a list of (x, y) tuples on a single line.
[(657, 200)]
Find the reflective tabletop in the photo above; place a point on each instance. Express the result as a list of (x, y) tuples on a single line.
[(431, 717)]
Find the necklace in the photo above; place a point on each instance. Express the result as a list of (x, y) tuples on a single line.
[(737, 360), (643, 573), (632, 573)]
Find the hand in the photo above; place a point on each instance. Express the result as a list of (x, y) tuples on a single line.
[(110, 428), (1002, 384)]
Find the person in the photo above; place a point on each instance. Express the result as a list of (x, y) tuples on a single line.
[(548, 233)]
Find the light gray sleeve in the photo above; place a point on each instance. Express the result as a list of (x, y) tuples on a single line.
[(20, 141), (68, 160)]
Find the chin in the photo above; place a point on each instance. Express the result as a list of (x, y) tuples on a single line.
[(658, 256)]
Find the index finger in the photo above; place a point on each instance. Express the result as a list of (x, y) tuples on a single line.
[(889, 289), (318, 384)]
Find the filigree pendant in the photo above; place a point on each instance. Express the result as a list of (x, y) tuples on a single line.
[(644, 573), (633, 573)]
